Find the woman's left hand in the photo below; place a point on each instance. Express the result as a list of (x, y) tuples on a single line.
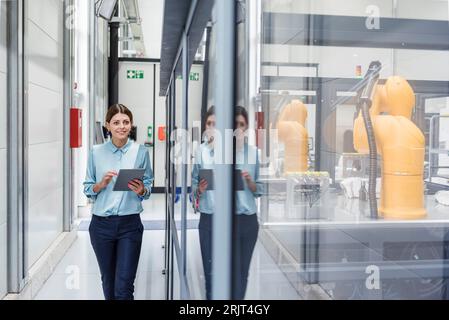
[(137, 187), (249, 181), (246, 176)]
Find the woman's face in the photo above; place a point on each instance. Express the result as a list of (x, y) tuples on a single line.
[(120, 126), (240, 129), (240, 123), (210, 122), (210, 128)]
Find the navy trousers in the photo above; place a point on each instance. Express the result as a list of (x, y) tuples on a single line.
[(205, 232), (246, 229), (117, 241)]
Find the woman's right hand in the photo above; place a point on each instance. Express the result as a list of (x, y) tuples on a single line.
[(202, 186), (107, 179)]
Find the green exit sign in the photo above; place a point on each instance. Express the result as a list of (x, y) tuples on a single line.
[(135, 74), (194, 76)]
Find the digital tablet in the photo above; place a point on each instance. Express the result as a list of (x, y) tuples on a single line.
[(208, 175), (125, 176), (238, 180)]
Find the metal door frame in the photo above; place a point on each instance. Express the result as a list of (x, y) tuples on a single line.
[(16, 227)]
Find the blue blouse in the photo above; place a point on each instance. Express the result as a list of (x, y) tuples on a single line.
[(107, 157), (246, 160)]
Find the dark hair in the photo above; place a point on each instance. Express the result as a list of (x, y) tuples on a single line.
[(210, 112), (118, 108), (240, 111)]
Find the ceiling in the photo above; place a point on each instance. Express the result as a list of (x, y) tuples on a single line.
[(175, 16)]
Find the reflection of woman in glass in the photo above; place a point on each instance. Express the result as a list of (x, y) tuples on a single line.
[(246, 226), (205, 198)]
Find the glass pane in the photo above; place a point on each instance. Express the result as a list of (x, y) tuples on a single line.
[(261, 159), (178, 138), (176, 178), (195, 104), (201, 133), (437, 152), (205, 157), (176, 279), (321, 192), (193, 136), (3, 150)]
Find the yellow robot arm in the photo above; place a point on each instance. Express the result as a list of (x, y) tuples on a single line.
[(292, 132), (401, 144)]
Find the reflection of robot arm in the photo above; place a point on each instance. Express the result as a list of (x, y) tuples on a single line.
[(401, 144), (292, 132)]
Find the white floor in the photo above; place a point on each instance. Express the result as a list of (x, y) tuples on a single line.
[(77, 276)]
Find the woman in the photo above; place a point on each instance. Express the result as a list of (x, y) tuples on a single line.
[(246, 226), (205, 199), (116, 229)]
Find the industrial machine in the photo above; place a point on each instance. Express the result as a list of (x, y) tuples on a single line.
[(333, 241), (292, 132), (304, 189), (401, 144), (395, 246)]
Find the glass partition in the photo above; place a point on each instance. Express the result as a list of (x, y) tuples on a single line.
[(350, 111), (174, 190), (185, 135), (3, 147), (338, 152)]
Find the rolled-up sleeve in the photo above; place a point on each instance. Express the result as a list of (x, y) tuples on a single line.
[(91, 179), (148, 177)]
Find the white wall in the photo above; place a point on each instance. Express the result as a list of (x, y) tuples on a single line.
[(195, 98), (159, 146), (45, 117), (194, 111), (423, 9), (3, 182), (410, 9), (341, 62), (138, 94), (333, 61), (330, 7), (212, 62), (152, 13), (422, 64), (101, 71), (82, 95)]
